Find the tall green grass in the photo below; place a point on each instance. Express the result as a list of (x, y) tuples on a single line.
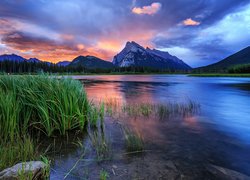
[(41, 103), (148, 109), (133, 140), (20, 150)]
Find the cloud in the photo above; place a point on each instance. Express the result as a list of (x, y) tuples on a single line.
[(101, 28), (150, 10), (80, 46), (41, 47), (209, 44), (190, 22)]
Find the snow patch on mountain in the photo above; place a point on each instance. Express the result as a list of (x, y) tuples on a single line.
[(134, 54)]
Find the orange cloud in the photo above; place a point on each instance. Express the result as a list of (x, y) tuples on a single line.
[(150, 10), (190, 22), (109, 45), (67, 37), (80, 46), (65, 47)]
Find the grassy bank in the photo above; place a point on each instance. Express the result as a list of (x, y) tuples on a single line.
[(41, 104), (219, 75), (37, 105)]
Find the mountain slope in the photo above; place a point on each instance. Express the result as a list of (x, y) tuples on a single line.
[(91, 62), (63, 63), (239, 58), (34, 60), (16, 58), (11, 57), (135, 55)]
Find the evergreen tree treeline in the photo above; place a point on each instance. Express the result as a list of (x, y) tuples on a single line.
[(16, 67), (34, 67)]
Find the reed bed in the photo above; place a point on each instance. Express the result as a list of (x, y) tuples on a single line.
[(41, 103), (100, 145), (20, 150), (133, 140), (35, 105), (147, 109)]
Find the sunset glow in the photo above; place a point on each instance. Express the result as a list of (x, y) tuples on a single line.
[(62, 30)]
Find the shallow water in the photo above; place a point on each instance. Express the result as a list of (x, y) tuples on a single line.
[(175, 148)]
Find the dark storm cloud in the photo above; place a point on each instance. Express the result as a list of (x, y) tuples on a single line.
[(97, 16), (22, 41), (103, 26)]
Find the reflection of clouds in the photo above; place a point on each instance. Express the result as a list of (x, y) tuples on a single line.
[(137, 92), (103, 91), (192, 122), (129, 93), (128, 89), (148, 128)]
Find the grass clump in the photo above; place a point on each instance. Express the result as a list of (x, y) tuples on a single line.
[(41, 103), (100, 144), (47, 162), (147, 109), (34, 105), (104, 175), (133, 141), (13, 152)]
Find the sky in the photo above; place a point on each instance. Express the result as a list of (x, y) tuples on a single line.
[(200, 32)]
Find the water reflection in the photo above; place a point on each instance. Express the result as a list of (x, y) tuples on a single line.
[(224, 101), (178, 146)]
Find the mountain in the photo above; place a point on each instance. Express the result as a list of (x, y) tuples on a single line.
[(34, 60), (137, 56), (16, 58), (239, 58), (63, 63), (11, 57), (91, 62)]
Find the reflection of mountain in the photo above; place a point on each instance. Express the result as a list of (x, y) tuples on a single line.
[(126, 91), (140, 91), (244, 87)]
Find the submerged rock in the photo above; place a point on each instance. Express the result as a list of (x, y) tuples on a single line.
[(224, 173), (31, 170)]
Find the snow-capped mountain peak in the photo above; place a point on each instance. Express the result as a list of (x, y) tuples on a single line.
[(134, 54)]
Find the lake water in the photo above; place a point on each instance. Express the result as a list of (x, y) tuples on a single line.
[(178, 148)]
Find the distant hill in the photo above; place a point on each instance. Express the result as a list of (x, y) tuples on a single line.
[(16, 58), (34, 60), (63, 63), (91, 62), (134, 55), (11, 57), (240, 58)]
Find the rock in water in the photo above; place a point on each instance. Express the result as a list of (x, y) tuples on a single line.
[(33, 169)]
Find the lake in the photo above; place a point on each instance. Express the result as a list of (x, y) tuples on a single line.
[(190, 147)]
